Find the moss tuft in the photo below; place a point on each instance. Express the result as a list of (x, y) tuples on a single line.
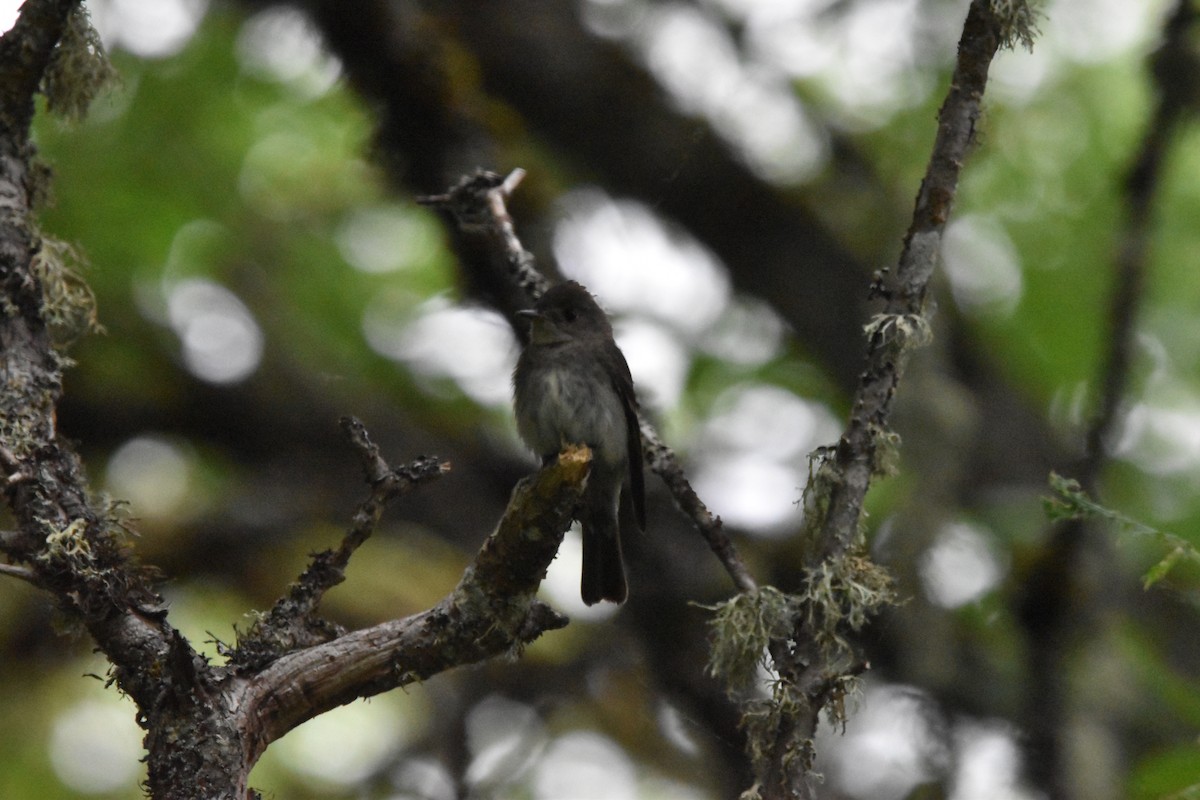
[(1016, 21), (741, 630), (78, 70), (68, 306)]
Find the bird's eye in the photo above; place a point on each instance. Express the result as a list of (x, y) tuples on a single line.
[(569, 315)]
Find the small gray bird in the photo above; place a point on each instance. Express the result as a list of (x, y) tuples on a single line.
[(572, 386)]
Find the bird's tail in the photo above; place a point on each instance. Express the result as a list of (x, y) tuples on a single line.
[(603, 567)]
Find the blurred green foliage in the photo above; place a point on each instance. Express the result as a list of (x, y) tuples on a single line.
[(196, 167)]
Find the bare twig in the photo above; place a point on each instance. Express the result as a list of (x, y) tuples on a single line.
[(479, 204), (292, 622), (903, 290), (663, 462), (387, 484), (20, 573)]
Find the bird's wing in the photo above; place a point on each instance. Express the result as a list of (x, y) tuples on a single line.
[(623, 384)]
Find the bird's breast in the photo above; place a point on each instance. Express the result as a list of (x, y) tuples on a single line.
[(568, 401)]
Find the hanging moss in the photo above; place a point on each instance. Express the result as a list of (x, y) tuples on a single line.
[(742, 628), (68, 306), (78, 70), (1017, 22)]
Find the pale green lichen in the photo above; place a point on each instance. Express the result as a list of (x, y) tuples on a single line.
[(840, 595), (900, 331), (68, 305), (823, 478), (762, 721), (886, 453), (742, 628), (69, 542), (79, 68), (1016, 21)]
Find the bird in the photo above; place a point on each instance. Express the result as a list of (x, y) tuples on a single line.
[(572, 385)]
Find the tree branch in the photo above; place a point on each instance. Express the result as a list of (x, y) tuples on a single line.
[(901, 324), (73, 549), (20, 573), (844, 589), (292, 622), (492, 611), (25, 52), (479, 205), (207, 725)]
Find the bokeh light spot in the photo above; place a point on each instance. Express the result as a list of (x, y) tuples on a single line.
[(280, 43), (988, 763), (147, 28), (583, 765), (222, 342), (152, 473), (344, 746), (887, 746), (625, 255), (768, 421), (386, 238), (751, 492), (96, 747), (982, 264), (472, 346), (503, 737), (749, 332), (1161, 440), (561, 584), (423, 779), (959, 567), (657, 359)]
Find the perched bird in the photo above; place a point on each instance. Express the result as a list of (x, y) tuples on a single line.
[(572, 386)]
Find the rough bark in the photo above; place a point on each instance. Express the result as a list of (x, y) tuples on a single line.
[(205, 725)]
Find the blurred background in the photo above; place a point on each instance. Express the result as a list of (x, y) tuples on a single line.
[(725, 175)]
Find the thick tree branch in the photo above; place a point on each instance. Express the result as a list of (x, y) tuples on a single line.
[(211, 725), (492, 611), (73, 549), (25, 52)]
